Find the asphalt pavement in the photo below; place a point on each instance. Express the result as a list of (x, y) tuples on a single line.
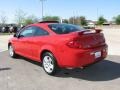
[(24, 74)]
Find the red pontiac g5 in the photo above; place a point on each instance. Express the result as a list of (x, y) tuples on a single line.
[(58, 45)]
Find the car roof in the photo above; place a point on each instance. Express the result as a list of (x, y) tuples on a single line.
[(44, 23)]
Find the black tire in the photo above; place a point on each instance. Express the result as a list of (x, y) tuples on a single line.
[(12, 52), (52, 61)]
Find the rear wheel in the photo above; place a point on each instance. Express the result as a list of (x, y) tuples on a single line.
[(49, 63), (12, 52)]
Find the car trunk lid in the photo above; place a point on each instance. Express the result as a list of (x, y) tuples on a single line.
[(88, 39), (92, 40)]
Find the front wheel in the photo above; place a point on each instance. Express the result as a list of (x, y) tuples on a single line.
[(12, 52), (49, 63)]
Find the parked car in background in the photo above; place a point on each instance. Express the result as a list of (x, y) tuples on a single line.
[(0, 29), (58, 45), (8, 29), (4, 29), (13, 29)]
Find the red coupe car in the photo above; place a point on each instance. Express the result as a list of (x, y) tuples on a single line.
[(58, 45)]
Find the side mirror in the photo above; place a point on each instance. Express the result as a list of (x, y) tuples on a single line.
[(14, 35), (20, 36)]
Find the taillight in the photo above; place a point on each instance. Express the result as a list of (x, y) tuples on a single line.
[(75, 43)]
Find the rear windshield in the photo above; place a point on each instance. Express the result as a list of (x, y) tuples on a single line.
[(64, 28)]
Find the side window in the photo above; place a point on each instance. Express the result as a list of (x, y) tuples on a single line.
[(39, 32), (27, 32)]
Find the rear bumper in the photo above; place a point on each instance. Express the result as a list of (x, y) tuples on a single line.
[(79, 58)]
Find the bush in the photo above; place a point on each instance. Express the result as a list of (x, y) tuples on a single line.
[(117, 20)]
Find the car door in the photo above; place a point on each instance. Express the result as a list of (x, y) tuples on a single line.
[(24, 40), (39, 40)]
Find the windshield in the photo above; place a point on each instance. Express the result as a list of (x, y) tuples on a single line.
[(65, 28)]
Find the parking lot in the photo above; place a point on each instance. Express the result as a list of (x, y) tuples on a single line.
[(3, 42), (23, 74)]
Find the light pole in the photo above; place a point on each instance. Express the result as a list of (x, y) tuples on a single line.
[(42, 8)]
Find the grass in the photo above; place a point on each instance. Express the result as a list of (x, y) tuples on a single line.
[(6, 33)]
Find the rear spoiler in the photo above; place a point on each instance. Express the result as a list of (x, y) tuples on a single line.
[(49, 22), (98, 30), (90, 31)]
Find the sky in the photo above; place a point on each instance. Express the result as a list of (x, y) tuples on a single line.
[(91, 9)]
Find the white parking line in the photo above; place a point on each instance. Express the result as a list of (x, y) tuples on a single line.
[(2, 50)]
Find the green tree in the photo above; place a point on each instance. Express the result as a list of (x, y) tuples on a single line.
[(20, 17), (3, 18), (117, 20), (79, 20), (65, 21), (51, 18), (82, 20), (73, 20), (101, 20), (30, 20)]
